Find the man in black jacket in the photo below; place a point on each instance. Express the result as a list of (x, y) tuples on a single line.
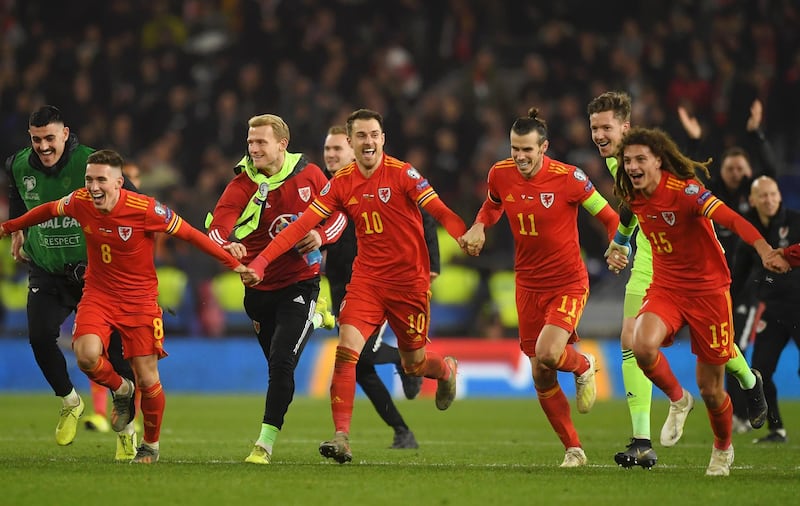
[(776, 293), (338, 269)]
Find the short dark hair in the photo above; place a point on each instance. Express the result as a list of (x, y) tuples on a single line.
[(363, 114), (735, 151), (524, 126), (106, 157), (45, 115)]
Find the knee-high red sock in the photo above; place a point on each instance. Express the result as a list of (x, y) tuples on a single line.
[(661, 375), (556, 407), (153, 402), (343, 388), (572, 361), (722, 423), (433, 366), (99, 398), (104, 374)]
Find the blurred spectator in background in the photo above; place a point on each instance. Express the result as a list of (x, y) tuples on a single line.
[(445, 75), (777, 319)]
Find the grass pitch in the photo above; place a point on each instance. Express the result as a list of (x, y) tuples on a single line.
[(480, 451)]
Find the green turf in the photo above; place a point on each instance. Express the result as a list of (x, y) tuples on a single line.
[(479, 452)]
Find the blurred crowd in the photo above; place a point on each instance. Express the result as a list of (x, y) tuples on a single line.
[(171, 84)]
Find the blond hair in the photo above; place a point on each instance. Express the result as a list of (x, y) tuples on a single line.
[(279, 127)]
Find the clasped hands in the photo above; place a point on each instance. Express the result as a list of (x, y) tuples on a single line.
[(473, 240), (250, 277), (617, 256), (238, 251), (776, 262)]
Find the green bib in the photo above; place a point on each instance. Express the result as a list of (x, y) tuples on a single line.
[(58, 241)]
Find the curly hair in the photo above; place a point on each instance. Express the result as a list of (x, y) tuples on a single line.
[(662, 146)]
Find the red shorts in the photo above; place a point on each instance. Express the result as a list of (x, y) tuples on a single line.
[(709, 317), (142, 333), (366, 307), (562, 308)]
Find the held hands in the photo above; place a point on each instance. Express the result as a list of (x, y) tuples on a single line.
[(236, 249), (775, 262), (618, 253), (771, 258), (248, 275), (616, 257), (253, 274), (472, 242)]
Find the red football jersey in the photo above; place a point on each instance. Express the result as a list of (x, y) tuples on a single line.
[(543, 214), (675, 220), (385, 209), (291, 198), (119, 245)]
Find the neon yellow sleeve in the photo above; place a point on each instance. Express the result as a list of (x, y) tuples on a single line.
[(595, 203), (627, 220), (611, 163)]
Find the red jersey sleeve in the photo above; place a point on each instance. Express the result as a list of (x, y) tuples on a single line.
[(285, 240), (732, 220), (331, 230), (489, 213), (444, 215), (492, 208), (420, 190), (610, 219), (160, 218), (227, 211), (38, 214), (792, 254)]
